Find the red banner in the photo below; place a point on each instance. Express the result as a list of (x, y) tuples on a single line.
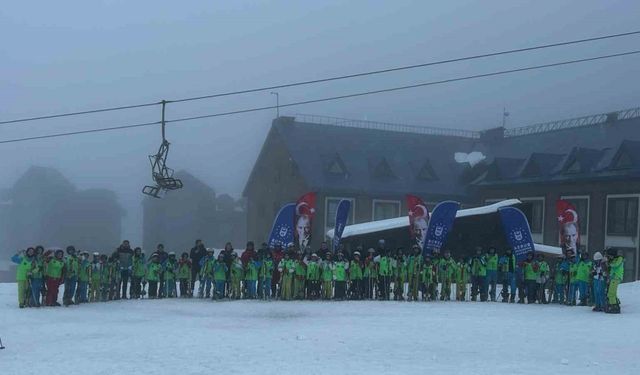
[(305, 209), (418, 220), (569, 230)]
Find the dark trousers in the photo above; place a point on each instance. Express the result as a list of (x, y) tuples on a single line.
[(124, 279), (340, 289), (136, 289), (161, 290), (532, 290), (356, 289), (184, 287), (52, 291), (383, 286), (153, 289)]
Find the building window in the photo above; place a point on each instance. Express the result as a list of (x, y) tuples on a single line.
[(331, 205), (582, 209), (622, 216), (385, 209), (533, 209)]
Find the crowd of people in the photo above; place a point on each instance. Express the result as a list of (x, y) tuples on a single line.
[(290, 274)]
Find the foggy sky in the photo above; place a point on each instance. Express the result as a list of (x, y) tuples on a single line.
[(75, 55)]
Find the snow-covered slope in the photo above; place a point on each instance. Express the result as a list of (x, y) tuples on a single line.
[(182, 337)]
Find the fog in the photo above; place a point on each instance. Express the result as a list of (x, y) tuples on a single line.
[(77, 55)]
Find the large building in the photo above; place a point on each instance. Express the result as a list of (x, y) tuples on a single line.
[(593, 161)]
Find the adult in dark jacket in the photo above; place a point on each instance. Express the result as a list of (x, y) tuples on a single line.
[(248, 254), (196, 254), (125, 254)]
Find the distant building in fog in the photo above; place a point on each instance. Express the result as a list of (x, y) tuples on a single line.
[(593, 161), (194, 212), (44, 208)]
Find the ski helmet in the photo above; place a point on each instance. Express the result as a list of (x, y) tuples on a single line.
[(597, 256), (71, 250)]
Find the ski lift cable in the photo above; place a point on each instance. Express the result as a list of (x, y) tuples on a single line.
[(332, 98), (327, 79)]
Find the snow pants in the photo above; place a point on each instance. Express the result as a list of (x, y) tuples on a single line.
[(384, 283), (445, 290), (265, 291), (327, 290), (124, 279), (612, 293), (571, 296), (185, 289), (22, 292), (598, 293), (251, 288), (153, 289), (94, 294), (492, 281), (532, 290), (36, 289), (170, 288), (583, 288), (355, 291), (136, 288), (509, 287), (558, 294), (69, 289), (461, 291), (298, 287), (219, 291), (81, 293), (341, 287), (52, 291)]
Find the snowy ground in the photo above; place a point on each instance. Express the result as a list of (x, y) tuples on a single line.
[(182, 337)]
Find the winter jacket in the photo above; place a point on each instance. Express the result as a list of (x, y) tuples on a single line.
[(25, 264), (206, 267), (153, 271), (236, 270), (196, 254), (384, 266), (72, 265), (300, 269), (105, 273), (96, 270), (478, 266), (446, 269), (266, 269), (355, 270), (560, 275), (125, 255), (327, 271), (184, 269), (583, 272), (599, 270), (138, 266), (573, 272), (616, 268), (54, 269), (492, 262), (370, 269), (84, 271), (246, 256), (251, 272), (313, 271), (462, 273), (531, 269), (507, 263), (340, 270), (220, 270), (427, 274)]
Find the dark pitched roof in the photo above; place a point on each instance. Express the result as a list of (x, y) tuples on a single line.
[(366, 153)]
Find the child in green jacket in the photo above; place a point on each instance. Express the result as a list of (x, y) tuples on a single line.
[(184, 275), (96, 273), (153, 275), (84, 275), (616, 274), (138, 270)]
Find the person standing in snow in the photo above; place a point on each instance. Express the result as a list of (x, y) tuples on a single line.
[(236, 277), (385, 271), (265, 274), (277, 255), (583, 277), (184, 275), (415, 267), (71, 276), (369, 275), (105, 278), (428, 277), (26, 263), (162, 258), (507, 267), (327, 277), (54, 272), (96, 273), (300, 276), (616, 275), (125, 253), (355, 277), (170, 270), (492, 272), (196, 254), (340, 268), (541, 281), (531, 270), (220, 272), (154, 270), (461, 279), (599, 274), (138, 269), (478, 276), (84, 276), (206, 274), (251, 276)]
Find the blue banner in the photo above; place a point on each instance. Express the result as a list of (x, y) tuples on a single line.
[(342, 214), (516, 230), (440, 225), (282, 229)]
